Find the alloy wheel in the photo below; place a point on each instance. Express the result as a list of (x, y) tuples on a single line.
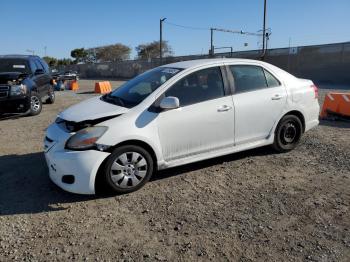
[(35, 103)]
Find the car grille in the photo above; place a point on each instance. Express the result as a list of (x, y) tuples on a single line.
[(4, 91)]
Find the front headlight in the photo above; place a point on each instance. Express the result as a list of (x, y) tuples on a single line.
[(17, 90), (85, 138)]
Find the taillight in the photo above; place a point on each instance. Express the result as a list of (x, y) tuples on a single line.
[(315, 90)]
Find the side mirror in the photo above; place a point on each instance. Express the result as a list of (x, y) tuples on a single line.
[(169, 102), (39, 72)]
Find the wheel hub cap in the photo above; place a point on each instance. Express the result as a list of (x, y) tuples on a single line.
[(290, 133), (128, 170)]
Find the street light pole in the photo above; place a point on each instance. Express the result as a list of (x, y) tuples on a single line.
[(161, 39), (30, 51), (264, 33)]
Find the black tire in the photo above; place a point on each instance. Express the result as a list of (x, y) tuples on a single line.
[(36, 104), (51, 96), (288, 134), (132, 170)]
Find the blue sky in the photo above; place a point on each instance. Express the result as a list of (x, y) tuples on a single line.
[(63, 25)]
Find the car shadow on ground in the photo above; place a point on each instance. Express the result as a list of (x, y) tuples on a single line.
[(25, 187), (11, 116), (335, 123), (86, 93)]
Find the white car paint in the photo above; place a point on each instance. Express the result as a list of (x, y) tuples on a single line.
[(187, 134), (90, 109)]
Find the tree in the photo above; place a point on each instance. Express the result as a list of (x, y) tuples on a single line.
[(79, 54), (64, 62), (151, 50), (116, 52), (51, 61)]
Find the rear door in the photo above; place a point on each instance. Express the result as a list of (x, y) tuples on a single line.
[(259, 99), (46, 77)]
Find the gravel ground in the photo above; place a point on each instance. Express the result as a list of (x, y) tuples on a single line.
[(251, 206)]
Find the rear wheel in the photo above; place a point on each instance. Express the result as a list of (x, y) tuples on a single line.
[(35, 104), (51, 96), (288, 133), (128, 169)]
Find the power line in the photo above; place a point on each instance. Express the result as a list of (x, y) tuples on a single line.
[(216, 29), (241, 32), (212, 29), (187, 27)]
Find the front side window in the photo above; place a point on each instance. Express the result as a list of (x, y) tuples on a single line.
[(38, 64), (198, 87), (45, 66), (137, 89)]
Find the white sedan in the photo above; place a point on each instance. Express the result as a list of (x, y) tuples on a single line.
[(177, 114)]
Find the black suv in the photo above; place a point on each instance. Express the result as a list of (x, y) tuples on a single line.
[(25, 82)]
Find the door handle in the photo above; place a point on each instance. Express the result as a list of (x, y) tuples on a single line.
[(276, 97), (224, 108)]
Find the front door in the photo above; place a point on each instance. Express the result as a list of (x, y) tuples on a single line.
[(205, 120), (42, 81)]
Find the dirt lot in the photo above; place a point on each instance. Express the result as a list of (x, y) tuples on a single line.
[(251, 206)]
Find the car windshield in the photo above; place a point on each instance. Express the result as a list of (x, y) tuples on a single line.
[(137, 89), (14, 65)]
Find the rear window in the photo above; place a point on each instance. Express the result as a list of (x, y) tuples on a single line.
[(271, 80), (14, 65)]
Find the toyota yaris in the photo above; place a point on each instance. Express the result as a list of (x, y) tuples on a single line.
[(177, 114)]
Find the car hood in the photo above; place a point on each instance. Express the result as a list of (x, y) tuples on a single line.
[(91, 109), (11, 76)]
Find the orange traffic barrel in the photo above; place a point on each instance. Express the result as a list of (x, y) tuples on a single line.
[(336, 104), (74, 85), (103, 87)]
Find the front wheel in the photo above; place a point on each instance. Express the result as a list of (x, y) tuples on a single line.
[(288, 133), (35, 104), (128, 169)]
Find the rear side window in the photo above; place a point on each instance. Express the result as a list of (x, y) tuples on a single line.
[(248, 78), (271, 80), (200, 86)]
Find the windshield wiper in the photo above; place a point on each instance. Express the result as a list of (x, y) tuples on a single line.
[(114, 100)]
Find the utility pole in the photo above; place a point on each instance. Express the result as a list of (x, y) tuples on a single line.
[(211, 42), (264, 33), (161, 39), (45, 47)]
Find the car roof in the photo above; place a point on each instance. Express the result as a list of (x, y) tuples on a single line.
[(203, 62), (19, 56)]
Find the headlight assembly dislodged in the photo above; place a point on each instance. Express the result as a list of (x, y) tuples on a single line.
[(85, 138), (17, 90)]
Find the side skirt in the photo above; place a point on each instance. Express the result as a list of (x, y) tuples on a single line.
[(216, 153)]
